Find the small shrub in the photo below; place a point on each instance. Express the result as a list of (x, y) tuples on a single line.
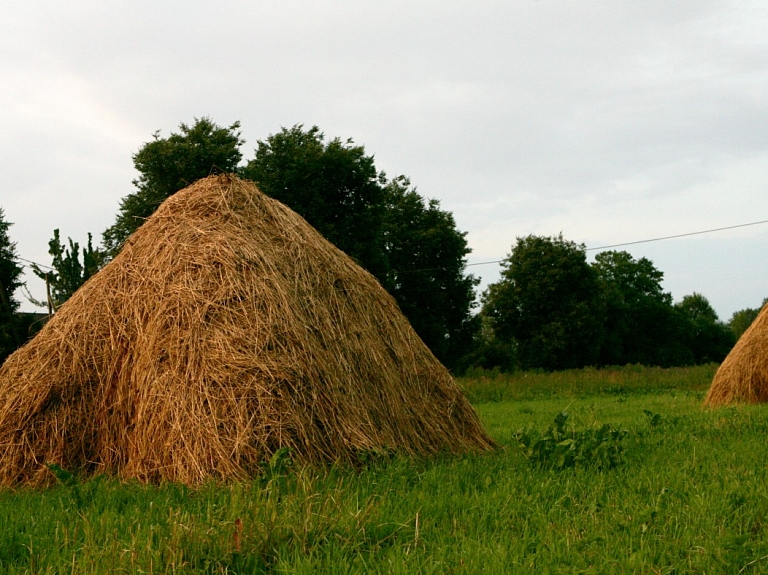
[(559, 448)]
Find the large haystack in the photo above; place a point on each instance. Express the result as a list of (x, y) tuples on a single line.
[(743, 375), (226, 329)]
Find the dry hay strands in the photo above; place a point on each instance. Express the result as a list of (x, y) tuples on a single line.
[(743, 375), (226, 329)]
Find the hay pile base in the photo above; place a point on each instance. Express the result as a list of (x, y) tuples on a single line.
[(743, 375), (227, 328)]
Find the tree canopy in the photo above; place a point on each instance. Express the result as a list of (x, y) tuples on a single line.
[(742, 319), (426, 258), (710, 340), (555, 311), (548, 304), (333, 185), (640, 324), (167, 165)]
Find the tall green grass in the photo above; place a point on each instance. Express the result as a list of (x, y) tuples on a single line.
[(482, 386), (690, 496)]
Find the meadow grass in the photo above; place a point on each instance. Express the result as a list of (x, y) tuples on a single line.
[(482, 386), (690, 496)]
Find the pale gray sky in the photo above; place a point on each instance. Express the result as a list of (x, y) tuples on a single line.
[(607, 121)]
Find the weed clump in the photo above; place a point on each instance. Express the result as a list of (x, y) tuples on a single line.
[(560, 447)]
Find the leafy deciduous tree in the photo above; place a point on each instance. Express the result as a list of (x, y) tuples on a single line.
[(640, 324), (333, 185), (710, 339), (427, 270), (167, 165), (742, 319), (548, 304)]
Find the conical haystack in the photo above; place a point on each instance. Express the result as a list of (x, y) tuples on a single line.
[(226, 329), (743, 375)]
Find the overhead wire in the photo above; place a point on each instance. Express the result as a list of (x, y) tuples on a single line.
[(657, 239)]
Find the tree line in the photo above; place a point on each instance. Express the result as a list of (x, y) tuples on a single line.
[(550, 310), (553, 310)]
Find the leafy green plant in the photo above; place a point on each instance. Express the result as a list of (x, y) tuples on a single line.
[(277, 470), (654, 419), (81, 494), (559, 447)]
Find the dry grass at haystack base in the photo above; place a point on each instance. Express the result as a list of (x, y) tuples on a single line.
[(743, 375), (226, 329)]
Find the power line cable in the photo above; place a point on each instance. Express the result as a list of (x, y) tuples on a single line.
[(709, 231), (34, 263), (680, 235)]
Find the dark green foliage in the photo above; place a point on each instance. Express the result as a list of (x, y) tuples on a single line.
[(10, 276), (742, 319), (68, 273), (81, 493), (709, 339), (167, 165), (654, 419), (559, 447), (407, 242), (426, 258), (641, 325), (486, 352), (333, 185), (547, 303), (559, 313), (277, 469), (631, 290)]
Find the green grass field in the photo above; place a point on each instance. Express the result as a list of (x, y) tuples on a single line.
[(689, 495)]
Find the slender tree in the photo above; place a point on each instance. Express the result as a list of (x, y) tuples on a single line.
[(10, 280), (67, 272)]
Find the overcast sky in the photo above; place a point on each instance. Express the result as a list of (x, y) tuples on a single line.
[(610, 121)]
